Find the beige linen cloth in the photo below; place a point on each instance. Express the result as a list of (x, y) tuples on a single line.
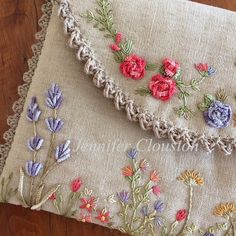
[(187, 205)]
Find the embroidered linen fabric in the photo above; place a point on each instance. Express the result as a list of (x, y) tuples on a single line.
[(90, 118)]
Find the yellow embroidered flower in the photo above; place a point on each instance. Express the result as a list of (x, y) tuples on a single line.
[(225, 209), (191, 177)]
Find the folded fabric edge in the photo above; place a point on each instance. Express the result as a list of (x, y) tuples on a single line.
[(18, 105), (147, 120)]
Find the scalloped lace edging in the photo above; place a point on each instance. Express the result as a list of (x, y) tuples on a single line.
[(18, 105), (147, 120)]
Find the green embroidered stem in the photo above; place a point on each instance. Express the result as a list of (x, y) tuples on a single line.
[(190, 205), (71, 202), (5, 192), (143, 91), (123, 214), (104, 18)]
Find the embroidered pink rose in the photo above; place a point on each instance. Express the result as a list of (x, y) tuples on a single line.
[(162, 88), (133, 67), (170, 67)]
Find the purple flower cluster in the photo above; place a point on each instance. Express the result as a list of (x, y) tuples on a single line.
[(33, 168), (54, 124), (54, 97), (35, 143), (63, 152), (132, 153), (159, 206), (218, 115), (33, 112), (123, 196)]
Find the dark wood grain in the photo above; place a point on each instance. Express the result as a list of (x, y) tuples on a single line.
[(18, 24)]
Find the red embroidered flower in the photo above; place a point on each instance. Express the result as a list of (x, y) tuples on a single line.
[(154, 177), (156, 190), (162, 87), (127, 171), (53, 197), (115, 47), (202, 67), (133, 67), (143, 165), (170, 67), (118, 38), (88, 204), (76, 185), (181, 215), (103, 216), (85, 218)]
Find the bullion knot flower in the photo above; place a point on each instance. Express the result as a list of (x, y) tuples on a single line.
[(218, 115), (181, 215), (76, 185), (162, 88), (33, 111), (33, 168), (133, 67), (54, 124), (170, 67), (35, 143), (225, 209), (63, 152), (191, 177), (54, 97)]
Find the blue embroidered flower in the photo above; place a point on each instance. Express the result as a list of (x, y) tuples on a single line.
[(33, 168), (144, 210), (159, 206), (33, 111), (35, 143), (63, 152), (208, 234), (123, 196), (211, 71), (158, 221), (54, 97), (54, 124), (218, 115), (132, 153)]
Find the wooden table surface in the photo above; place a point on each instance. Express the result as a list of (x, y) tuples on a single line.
[(18, 24)]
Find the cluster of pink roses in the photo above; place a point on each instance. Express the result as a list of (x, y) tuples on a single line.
[(163, 86)]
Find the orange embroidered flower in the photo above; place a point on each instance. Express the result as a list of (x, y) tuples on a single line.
[(191, 177), (88, 204), (225, 209), (127, 171), (103, 216), (154, 177)]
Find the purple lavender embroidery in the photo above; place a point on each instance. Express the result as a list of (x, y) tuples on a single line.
[(63, 152), (33, 168), (208, 234), (33, 111), (159, 221), (144, 210), (159, 206), (35, 143), (54, 97), (211, 71), (218, 115), (54, 124), (132, 153), (123, 196)]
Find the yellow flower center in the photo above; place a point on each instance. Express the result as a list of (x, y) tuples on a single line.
[(103, 218), (88, 205)]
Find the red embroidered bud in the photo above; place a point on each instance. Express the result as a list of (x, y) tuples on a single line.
[(118, 38), (76, 185), (53, 197), (115, 48), (181, 215)]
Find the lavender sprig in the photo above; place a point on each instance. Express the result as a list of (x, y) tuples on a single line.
[(33, 112), (54, 97), (123, 196), (35, 143), (33, 168), (63, 152), (54, 124)]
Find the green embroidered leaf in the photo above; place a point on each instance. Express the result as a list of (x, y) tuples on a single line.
[(39, 194), (202, 106), (184, 112), (194, 85), (143, 91), (222, 226), (221, 95), (164, 231), (162, 71), (127, 47), (21, 188), (46, 197), (208, 99), (177, 75), (119, 57), (151, 66)]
